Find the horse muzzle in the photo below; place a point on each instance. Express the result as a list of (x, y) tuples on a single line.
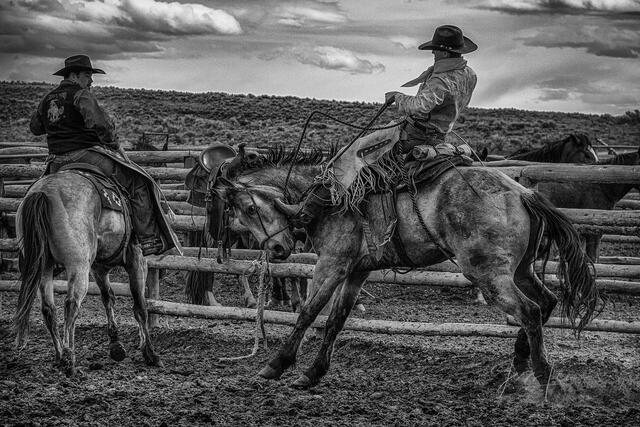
[(277, 250)]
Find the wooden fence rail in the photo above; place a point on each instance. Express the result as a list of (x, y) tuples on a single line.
[(354, 324)]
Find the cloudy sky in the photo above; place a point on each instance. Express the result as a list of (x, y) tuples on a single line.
[(556, 55)]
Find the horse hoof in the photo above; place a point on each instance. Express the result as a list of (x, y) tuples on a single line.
[(360, 308), (251, 304), (151, 358), (117, 352), (269, 373), (302, 383)]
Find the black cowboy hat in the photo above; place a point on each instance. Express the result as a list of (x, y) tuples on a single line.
[(77, 63), (450, 39)]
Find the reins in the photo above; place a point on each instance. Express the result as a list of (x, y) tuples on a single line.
[(363, 129)]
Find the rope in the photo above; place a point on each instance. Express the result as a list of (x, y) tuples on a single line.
[(363, 129), (260, 266)]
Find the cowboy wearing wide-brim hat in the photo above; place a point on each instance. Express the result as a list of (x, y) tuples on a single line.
[(445, 90), (77, 63), (79, 131)]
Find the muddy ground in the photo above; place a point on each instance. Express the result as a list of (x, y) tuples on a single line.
[(374, 379)]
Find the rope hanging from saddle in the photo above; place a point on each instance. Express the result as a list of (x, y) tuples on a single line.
[(260, 267)]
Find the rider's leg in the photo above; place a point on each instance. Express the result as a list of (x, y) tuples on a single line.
[(143, 219)]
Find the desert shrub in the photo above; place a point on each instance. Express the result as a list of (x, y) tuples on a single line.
[(630, 117), (516, 126)]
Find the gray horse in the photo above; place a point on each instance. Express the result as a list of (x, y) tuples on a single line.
[(491, 225), (61, 221)]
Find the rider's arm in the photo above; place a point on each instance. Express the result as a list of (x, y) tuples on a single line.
[(36, 125), (95, 117), (431, 94)]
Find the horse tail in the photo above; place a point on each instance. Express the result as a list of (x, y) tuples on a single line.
[(197, 284), (35, 256), (580, 297)]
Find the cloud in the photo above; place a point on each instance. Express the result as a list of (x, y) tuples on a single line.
[(578, 87), (597, 40), (563, 6), (298, 16), (327, 57), (105, 27), (405, 42), (179, 18)]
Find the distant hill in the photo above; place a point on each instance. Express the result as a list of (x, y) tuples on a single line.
[(201, 118)]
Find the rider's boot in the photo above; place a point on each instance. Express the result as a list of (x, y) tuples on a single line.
[(302, 214)]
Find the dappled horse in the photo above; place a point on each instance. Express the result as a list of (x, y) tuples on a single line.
[(578, 195), (488, 222), (61, 220), (575, 148)]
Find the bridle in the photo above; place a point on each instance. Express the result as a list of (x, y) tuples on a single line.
[(254, 205)]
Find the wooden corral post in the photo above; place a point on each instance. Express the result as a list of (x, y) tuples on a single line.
[(153, 292), (192, 236)]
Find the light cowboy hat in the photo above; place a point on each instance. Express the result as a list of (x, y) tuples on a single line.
[(449, 38), (77, 63)]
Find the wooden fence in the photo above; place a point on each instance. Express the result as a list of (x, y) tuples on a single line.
[(613, 222)]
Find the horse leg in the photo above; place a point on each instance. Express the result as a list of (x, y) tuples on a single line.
[(529, 283), (340, 310), (116, 350), (136, 268), (77, 286), (247, 296), (330, 273), (277, 298), (503, 292), (592, 246), (49, 310), (286, 298), (295, 294)]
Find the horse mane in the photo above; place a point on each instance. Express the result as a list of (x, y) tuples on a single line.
[(550, 150), (630, 158), (280, 156)]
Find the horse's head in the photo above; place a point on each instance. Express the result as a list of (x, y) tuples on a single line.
[(251, 208), (578, 149)]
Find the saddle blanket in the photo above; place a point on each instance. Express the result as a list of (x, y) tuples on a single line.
[(110, 195)]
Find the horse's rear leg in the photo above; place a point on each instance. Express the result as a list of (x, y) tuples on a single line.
[(278, 292), (247, 296), (503, 292), (529, 283), (330, 274), (340, 310), (137, 270), (116, 350), (78, 283), (49, 310)]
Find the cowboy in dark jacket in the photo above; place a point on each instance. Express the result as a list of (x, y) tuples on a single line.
[(79, 131)]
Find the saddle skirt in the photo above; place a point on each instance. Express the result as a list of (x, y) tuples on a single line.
[(111, 196), (380, 217)]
